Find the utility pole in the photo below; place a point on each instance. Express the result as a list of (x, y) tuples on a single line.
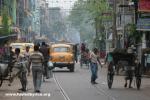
[(136, 10), (96, 29), (114, 38), (124, 35)]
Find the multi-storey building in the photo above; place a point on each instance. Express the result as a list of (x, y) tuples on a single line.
[(25, 15), (54, 18), (143, 22), (124, 12), (44, 19), (143, 26)]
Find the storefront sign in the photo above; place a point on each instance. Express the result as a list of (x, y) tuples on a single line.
[(143, 24), (144, 5), (148, 58)]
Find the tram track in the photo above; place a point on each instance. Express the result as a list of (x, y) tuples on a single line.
[(97, 88), (101, 91), (62, 91), (105, 93)]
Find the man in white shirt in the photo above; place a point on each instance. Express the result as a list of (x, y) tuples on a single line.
[(94, 61), (27, 55)]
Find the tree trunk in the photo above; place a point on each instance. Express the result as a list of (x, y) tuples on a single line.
[(114, 38)]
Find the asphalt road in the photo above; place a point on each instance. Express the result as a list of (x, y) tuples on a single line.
[(66, 85)]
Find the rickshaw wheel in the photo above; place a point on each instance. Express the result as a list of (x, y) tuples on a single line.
[(81, 63), (110, 75), (138, 83), (1, 80), (109, 80)]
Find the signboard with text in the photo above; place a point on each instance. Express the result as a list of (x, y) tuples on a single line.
[(144, 5), (143, 24)]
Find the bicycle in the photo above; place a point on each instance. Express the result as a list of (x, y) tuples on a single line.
[(138, 76)]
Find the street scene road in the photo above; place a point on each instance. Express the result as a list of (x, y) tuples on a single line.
[(74, 49), (76, 86)]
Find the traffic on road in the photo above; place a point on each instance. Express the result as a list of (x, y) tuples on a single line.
[(36, 73), (74, 49)]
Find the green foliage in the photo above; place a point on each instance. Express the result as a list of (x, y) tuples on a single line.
[(97, 8), (88, 17), (134, 35), (5, 22)]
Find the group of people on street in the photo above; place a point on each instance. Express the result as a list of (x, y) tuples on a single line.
[(94, 59), (36, 60)]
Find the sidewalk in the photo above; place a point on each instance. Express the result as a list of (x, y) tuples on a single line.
[(48, 90)]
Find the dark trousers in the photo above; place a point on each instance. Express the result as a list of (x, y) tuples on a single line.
[(23, 79), (46, 70)]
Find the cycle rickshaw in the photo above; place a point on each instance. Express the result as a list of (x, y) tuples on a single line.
[(85, 60), (130, 65), (9, 70)]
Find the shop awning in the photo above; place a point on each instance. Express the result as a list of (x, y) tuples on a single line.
[(3, 37), (6, 38), (143, 29)]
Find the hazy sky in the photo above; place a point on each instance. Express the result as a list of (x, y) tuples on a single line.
[(64, 4)]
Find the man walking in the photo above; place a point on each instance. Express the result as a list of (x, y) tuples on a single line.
[(45, 51), (36, 60), (19, 58), (26, 55), (94, 60)]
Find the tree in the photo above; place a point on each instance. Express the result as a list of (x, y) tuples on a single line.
[(134, 36), (5, 22), (90, 13), (82, 21)]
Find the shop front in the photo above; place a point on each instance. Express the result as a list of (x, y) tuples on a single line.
[(143, 26)]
